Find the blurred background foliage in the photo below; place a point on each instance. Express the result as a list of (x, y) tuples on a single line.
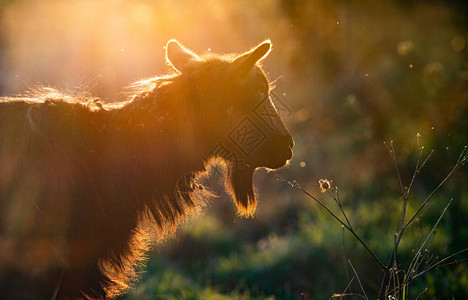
[(354, 74)]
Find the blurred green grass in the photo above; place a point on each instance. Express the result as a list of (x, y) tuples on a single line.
[(208, 259)]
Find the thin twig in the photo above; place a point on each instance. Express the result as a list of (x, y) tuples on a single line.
[(387, 274), (453, 262), (391, 151), (357, 277), (420, 294), (336, 198), (343, 250), (346, 295), (439, 264), (396, 280), (343, 294), (418, 169), (434, 227), (461, 161), (299, 187), (414, 264), (463, 157), (436, 265), (349, 284)]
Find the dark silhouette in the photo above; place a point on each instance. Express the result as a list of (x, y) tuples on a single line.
[(85, 185)]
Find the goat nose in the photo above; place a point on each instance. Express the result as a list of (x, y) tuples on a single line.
[(290, 141), (286, 137)]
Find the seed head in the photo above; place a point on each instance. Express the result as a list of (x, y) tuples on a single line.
[(324, 185)]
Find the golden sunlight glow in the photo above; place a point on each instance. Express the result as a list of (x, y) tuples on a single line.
[(88, 186), (105, 45)]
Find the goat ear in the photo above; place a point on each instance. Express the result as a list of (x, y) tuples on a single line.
[(245, 62), (177, 56)]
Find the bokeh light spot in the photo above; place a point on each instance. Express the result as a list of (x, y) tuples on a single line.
[(458, 43)]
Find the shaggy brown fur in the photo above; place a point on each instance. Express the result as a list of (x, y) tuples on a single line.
[(84, 185)]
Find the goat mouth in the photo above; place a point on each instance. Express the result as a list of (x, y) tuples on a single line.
[(289, 153), (285, 160), (283, 153), (278, 157)]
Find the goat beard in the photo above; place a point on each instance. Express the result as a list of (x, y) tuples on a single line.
[(239, 183)]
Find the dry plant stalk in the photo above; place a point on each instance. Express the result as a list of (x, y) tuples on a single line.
[(393, 283)]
